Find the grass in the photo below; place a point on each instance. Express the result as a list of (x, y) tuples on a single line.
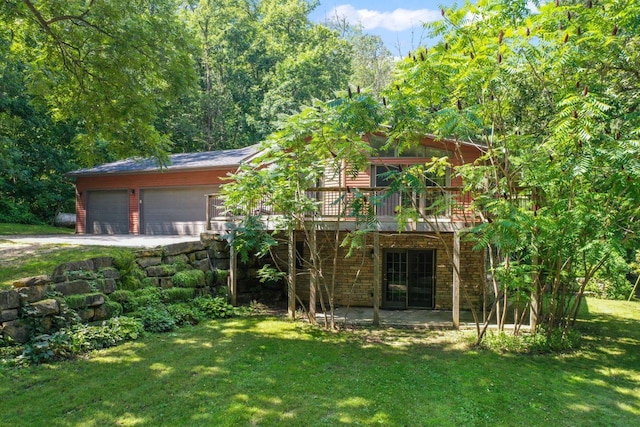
[(43, 259), (22, 229), (267, 371), (26, 260)]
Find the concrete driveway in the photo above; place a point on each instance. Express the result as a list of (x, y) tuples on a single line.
[(122, 240)]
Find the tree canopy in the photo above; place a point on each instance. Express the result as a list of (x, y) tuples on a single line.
[(551, 93), (150, 78)]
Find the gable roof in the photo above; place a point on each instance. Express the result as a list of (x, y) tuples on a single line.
[(184, 161)]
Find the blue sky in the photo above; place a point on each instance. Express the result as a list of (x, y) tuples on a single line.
[(398, 23)]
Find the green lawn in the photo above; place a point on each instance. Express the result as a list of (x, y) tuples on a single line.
[(267, 371), (20, 263), (7, 229)]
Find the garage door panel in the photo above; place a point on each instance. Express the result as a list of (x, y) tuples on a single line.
[(107, 212), (179, 211)]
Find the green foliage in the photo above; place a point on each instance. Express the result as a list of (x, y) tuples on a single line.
[(221, 277), (209, 278), (214, 308), (114, 309), (537, 343), (131, 275), (113, 97), (257, 60), (189, 279), (145, 297), (156, 318), (185, 314), (77, 339), (76, 301), (126, 328), (122, 296), (175, 294)]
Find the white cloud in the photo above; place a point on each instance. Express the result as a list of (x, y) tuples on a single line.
[(398, 20)]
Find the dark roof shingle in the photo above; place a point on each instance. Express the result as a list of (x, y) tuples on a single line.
[(185, 161)]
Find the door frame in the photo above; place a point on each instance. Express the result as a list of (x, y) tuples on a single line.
[(395, 299)]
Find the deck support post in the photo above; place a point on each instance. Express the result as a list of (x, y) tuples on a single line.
[(456, 280), (313, 272), (291, 278), (377, 278), (232, 280)]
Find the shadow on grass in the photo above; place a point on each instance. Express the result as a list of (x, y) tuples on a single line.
[(266, 371)]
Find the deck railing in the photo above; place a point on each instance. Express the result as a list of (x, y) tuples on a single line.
[(345, 202)]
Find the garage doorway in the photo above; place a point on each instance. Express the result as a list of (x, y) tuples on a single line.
[(107, 212), (409, 279), (174, 211)]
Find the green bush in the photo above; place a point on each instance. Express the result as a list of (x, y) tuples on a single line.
[(532, 343), (131, 275), (221, 277), (145, 297), (185, 314), (125, 328), (189, 279), (113, 308), (209, 278), (49, 347), (122, 296), (214, 308), (81, 338), (157, 319), (173, 295)]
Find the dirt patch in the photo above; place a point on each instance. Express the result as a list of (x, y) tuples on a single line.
[(13, 253)]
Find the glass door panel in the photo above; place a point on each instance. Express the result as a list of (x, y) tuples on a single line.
[(409, 279), (395, 280), (420, 278)]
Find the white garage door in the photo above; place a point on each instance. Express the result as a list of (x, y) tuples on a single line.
[(168, 211), (107, 212)]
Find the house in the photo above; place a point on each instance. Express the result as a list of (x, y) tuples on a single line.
[(426, 264), (136, 196)]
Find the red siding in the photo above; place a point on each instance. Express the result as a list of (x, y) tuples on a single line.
[(135, 182)]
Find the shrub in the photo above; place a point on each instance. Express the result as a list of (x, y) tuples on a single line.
[(185, 314), (157, 319), (173, 295), (122, 296), (533, 343), (189, 279), (214, 308), (221, 277), (145, 297), (49, 347), (131, 275), (126, 328), (209, 278), (113, 308)]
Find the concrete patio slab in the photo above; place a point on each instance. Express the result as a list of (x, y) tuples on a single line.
[(412, 318)]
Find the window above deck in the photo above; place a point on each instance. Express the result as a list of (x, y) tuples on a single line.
[(378, 143)]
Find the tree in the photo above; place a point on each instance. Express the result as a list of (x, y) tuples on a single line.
[(372, 62), (34, 152), (108, 65), (309, 146), (551, 94), (255, 61)]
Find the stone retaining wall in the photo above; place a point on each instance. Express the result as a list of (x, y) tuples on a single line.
[(42, 297)]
